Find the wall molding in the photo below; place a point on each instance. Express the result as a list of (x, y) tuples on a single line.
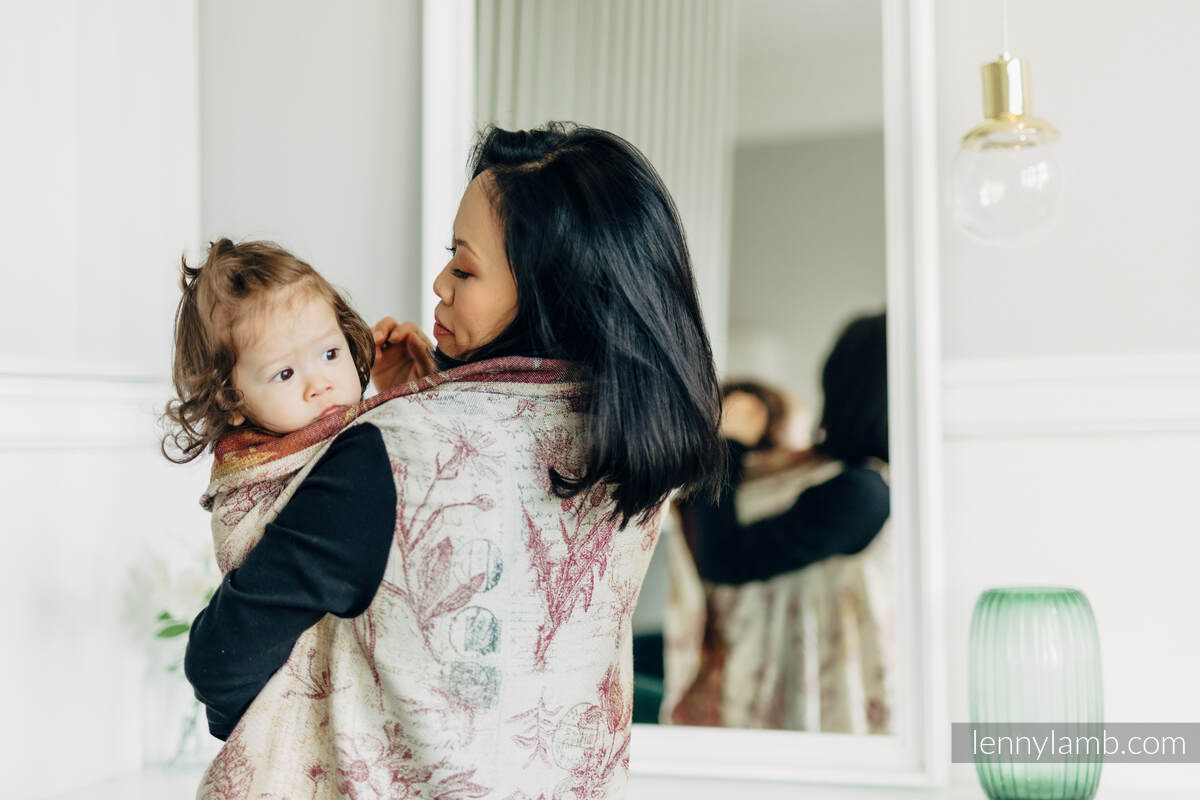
[(79, 406), (87, 406), (1071, 396)]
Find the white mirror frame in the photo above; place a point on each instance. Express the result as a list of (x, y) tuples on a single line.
[(916, 755)]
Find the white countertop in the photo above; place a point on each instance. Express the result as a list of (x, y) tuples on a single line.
[(181, 785)]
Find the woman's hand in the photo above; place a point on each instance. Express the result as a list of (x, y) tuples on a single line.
[(743, 418), (402, 353)]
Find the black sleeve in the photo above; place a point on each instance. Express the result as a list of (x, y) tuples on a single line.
[(838, 517), (324, 553)]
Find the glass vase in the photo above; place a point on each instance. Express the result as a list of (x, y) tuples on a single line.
[(1035, 658)]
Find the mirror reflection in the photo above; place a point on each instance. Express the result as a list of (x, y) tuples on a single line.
[(778, 601)]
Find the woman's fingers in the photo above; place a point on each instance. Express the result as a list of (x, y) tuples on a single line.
[(396, 365), (419, 350), (410, 330), (383, 327)]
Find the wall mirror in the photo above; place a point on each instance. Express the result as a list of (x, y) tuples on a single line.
[(797, 139)]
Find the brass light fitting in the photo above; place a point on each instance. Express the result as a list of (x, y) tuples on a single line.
[(1009, 123)]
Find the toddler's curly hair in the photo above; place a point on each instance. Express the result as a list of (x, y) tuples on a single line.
[(235, 281)]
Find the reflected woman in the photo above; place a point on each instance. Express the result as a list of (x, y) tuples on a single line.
[(780, 542)]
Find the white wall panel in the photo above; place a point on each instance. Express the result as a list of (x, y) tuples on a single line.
[(1118, 275), (1081, 472), (312, 138), (99, 164)]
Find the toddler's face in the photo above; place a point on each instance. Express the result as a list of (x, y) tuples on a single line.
[(293, 363)]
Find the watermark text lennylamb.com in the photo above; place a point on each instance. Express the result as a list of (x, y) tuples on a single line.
[(1066, 742)]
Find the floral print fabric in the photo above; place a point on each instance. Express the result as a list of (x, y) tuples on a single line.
[(495, 660)]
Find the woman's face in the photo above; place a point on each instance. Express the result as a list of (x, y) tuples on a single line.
[(476, 288)]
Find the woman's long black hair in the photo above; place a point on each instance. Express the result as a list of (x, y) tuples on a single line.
[(854, 384), (604, 280)]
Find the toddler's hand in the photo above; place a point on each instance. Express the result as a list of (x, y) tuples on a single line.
[(402, 353)]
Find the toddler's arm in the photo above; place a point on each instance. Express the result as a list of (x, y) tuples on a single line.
[(839, 517), (325, 553)]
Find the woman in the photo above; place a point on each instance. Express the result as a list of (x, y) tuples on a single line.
[(839, 516), (739, 654), (476, 640)]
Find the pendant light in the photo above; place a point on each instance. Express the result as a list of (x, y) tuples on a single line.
[(1007, 179)]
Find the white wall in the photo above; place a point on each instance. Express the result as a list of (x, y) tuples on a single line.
[(1059, 467), (99, 169), (99, 189), (1080, 472), (311, 119), (1119, 275), (807, 253), (808, 68)]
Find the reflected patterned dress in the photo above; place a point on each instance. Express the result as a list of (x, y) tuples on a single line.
[(753, 640)]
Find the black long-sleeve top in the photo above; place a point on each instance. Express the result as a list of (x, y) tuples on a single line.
[(325, 553), (840, 516)]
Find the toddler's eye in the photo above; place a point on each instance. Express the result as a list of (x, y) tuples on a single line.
[(458, 273), (331, 354), (452, 250), (284, 374)]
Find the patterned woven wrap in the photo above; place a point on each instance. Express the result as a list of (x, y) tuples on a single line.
[(740, 656), (496, 658)]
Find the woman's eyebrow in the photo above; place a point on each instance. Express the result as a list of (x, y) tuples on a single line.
[(464, 243)]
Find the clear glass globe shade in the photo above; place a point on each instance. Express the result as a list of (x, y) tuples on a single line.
[(1007, 194)]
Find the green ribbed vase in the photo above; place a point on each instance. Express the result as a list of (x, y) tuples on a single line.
[(1035, 658)]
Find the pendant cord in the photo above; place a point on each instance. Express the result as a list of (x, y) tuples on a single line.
[(1004, 7)]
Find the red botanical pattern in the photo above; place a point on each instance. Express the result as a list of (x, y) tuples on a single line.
[(568, 579), (429, 589), (590, 741), (524, 406), (650, 535), (402, 701), (390, 767), (317, 774), (555, 450), (625, 594), (242, 501), (230, 774), (366, 637), (539, 728), (314, 680), (470, 447)]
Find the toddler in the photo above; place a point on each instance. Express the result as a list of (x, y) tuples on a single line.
[(270, 367), (262, 342)]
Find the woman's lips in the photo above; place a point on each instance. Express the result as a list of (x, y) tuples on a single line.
[(440, 330)]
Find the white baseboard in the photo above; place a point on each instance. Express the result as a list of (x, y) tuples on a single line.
[(1071, 396)]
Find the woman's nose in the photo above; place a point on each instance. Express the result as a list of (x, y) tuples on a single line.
[(443, 287)]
